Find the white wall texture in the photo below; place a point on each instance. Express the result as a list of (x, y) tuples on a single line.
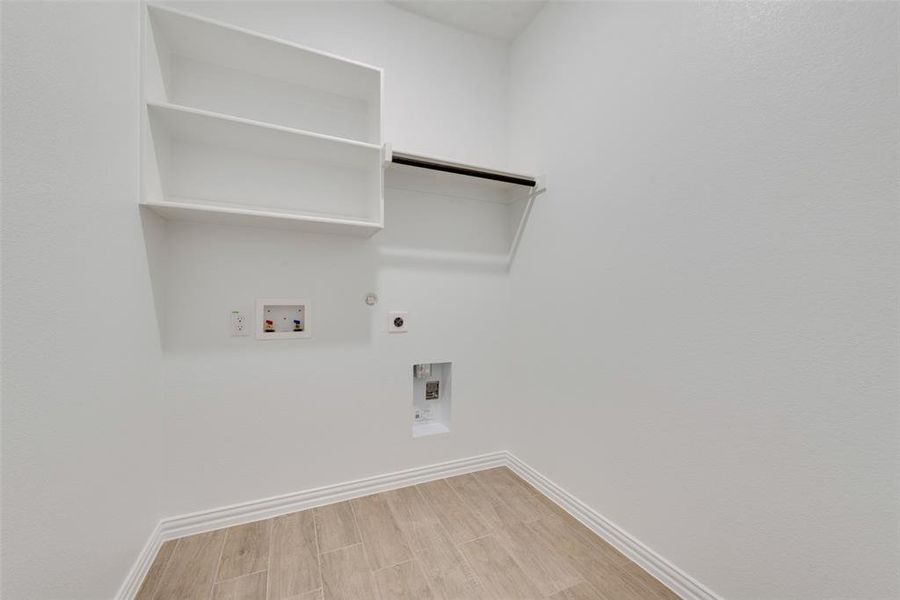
[(445, 89), (717, 258), (249, 419), (102, 433), (82, 413), (719, 254)]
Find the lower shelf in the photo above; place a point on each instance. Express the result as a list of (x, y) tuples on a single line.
[(423, 429), (205, 213)]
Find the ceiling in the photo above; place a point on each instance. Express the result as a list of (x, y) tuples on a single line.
[(499, 19)]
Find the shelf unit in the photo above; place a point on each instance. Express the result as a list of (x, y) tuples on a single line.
[(479, 213), (245, 128)]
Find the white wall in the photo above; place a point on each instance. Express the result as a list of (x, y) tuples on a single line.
[(445, 89), (103, 433), (719, 253), (248, 419), (82, 405), (718, 256)]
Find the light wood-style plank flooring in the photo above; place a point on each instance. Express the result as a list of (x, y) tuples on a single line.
[(486, 535)]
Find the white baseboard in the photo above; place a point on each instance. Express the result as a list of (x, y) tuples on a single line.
[(209, 520), (175, 527), (139, 569), (671, 576)]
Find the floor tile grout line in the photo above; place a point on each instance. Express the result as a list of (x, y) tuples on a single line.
[(468, 504), (359, 531), (435, 510), (462, 555), (318, 551), (356, 527), (618, 569), (219, 563), (269, 556), (492, 530), (257, 572), (512, 557), (164, 570), (590, 585), (406, 539), (212, 585), (491, 493), (480, 537), (425, 578), (365, 548), (471, 569), (471, 507), (344, 548), (402, 562), (437, 522), (497, 500), (514, 554), (461, 499)]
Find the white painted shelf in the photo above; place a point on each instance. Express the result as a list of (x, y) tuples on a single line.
[(469, 220), (243, 128), (236, 165), (229, 131), (182, 209), (200, 62)]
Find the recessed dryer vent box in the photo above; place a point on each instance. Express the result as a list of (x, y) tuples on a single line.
[(279, 319), (431, 398)]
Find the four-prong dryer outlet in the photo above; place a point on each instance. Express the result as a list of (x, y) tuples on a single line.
[(431, 398), (397, 321)]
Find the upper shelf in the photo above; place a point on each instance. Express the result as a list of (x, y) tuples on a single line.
[(226, 131), (179, 209), (456, 168), (227, 164), (198, 62), (244, 128), (414, 172), (482, 211)]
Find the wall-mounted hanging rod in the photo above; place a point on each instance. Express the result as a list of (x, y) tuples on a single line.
[(422, 162)]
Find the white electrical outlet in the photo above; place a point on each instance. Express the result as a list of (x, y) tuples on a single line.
[(398, 321), (418, 415), (239, 325)]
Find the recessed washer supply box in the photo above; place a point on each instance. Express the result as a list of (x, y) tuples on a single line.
[(281, 318)]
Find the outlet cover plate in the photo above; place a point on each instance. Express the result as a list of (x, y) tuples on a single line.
[(240, 327)]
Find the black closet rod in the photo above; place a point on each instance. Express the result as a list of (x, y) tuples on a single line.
[(448, 167)]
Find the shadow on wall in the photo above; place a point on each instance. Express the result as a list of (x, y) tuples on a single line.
[(154, 229), (438, 220), (202, 272)]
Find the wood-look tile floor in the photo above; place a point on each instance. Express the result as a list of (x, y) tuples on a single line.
[(486, 535)]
